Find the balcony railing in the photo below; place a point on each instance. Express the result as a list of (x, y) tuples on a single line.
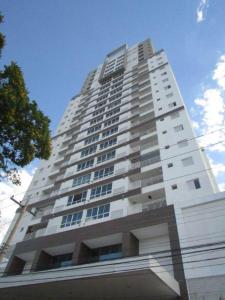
[(135, 165), (149, 145), (154, 205), (145, 182), (148, 131), (150, 161), (29, 236), (152, 180)]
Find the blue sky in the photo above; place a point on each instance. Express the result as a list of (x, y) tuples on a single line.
[(56, 43)]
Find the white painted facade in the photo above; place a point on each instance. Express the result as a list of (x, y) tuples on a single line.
[(175, 171)]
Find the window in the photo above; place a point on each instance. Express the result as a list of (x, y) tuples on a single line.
[(171, 105), (174, 186), (102, 98), (96, 120), (106, 156), (113, 104), (178, 128), (164, 73), (170, 165), (164, 132), (88, 151), (187, 161), (113, 112), (100, 104), (110, 131), (111, 121), (197, 183), (167, 147), (116, 91), (98, 112), (165, 80), (93, 129), (117, 84), (81, 180), (103, 172), (98, 212), (103, 91), (92, 139), (161, 119), (85, 164), (112, 98), (77, 198), (108, 143), (194, 184), (160, 108), (71, 219), (182, 143), (101, 190), (167, 87)]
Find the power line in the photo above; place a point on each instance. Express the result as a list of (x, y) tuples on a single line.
[(166, 219), (113, 272), (178, 251), (198, 149), (178, 214)]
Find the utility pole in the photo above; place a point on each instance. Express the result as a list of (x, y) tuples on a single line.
[(4, 246)]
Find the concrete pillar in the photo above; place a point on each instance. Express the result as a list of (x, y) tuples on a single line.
[(42, 261), (82, 254), (130, 244), (15, 266)]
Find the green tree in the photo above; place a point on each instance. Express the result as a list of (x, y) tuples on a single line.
[(24, 129)]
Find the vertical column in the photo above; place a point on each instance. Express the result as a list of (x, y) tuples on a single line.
[(82, 254), (42, 261), (130, 244), (176, 254), (15, 266)]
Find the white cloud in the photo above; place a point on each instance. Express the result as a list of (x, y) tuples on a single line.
[(217, 168), (221, 187), (211, 109), (210, 117), (219, 73), (201, 10), (195, 125), (7, 207)]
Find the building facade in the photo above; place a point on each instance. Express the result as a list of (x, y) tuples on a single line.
[(111, 204)]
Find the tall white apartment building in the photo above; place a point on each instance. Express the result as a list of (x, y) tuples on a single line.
[(112, 205)]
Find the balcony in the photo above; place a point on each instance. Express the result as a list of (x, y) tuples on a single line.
[(146, 182), (59, 161), (128, 278), (29, 236), (152, 180), (48, 188), (150, 161), (159, 203), (149, 144), (147, 131), (54, 173)]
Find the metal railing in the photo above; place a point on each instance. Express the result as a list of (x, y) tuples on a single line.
[(154, 205), (149, 145), (152, 180), (29, 236), (147, 131), (150, 161)]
